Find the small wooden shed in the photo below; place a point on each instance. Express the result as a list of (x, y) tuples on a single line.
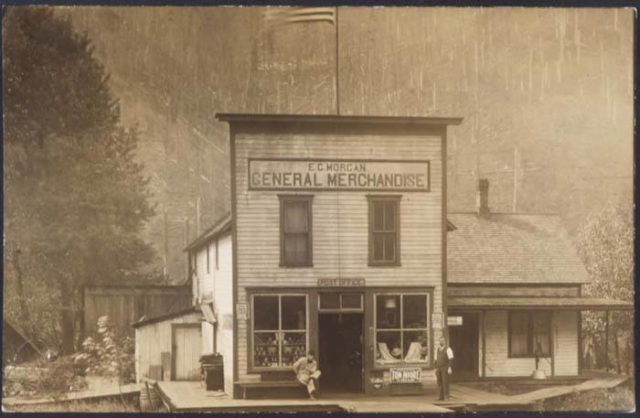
[(169, 347)]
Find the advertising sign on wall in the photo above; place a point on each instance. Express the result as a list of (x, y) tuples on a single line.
[(339, 175)]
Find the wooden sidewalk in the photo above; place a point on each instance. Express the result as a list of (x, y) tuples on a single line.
[(192, 397), (481, 400)]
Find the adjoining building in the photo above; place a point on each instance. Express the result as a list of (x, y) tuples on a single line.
[(337, 243), (515, 294)]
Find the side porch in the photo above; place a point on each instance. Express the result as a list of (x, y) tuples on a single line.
[(504, 338)]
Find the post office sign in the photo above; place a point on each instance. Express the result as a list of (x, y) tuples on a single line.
[(338, 175), (342, 282), (406, 375)]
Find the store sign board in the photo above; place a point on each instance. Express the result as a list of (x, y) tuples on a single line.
[(437, 320), (355, 282), (339, 175), (242, 311), (406, 375), (454, 321)]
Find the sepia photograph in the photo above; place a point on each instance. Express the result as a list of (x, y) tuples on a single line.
[(344, 209)]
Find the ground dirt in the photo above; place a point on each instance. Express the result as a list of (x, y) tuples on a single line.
[(618, 399), (112, 405)]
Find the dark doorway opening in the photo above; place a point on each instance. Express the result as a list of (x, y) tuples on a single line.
[(340, 345), (463, 340)]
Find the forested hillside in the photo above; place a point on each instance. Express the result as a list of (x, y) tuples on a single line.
[(546, 96)]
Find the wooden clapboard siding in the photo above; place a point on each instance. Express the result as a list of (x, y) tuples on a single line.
[(564, 339), (216, 286), (223, 304), (153, 339), (512, 290), (340, 220), (498, 362), (566, 343), (125, 305)]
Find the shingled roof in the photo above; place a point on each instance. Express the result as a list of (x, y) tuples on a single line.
[(511, 248)]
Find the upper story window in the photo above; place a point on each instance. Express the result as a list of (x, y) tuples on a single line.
[(384, 230), (217, 254), (295, 231), (209, 258), (529, 333)]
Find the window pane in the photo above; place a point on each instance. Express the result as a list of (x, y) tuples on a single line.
[(415, 345), (519, 327), (295, 248), (329, 301), (541, 334), (265, 350), (390, 247), (378, 216), (414, 310), (265, 312), (294, 312), (387, 311), (378, 246), (295, 216), (390, 216), (351, 301), (388, 347), (294, 346)]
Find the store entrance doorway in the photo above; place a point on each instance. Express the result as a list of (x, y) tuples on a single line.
[(340, 352)]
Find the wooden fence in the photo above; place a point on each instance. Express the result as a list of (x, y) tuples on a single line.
[(126, 305)]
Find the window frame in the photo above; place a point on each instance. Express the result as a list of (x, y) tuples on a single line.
[(252, 330), (308, 199), (429, 364), (530, 333), (340, 308), (208, 258), (217, 254), (372, 200)]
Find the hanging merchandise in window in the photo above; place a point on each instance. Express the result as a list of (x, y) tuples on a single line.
[(279, 329), (402, 328)]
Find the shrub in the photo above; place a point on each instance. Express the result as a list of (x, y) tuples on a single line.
[(107, 354)]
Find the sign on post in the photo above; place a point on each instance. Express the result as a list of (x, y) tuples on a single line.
[(454, 321)]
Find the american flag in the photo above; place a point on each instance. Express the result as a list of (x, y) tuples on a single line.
[(283, 15)]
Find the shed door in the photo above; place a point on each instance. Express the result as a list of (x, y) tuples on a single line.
[(187, 348)]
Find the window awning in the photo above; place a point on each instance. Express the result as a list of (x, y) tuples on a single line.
[(518, 302)]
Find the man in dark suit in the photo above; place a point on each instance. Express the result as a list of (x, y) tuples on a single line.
[(444, 360)]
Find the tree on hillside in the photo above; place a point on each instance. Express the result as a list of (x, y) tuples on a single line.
[(606, 247), (75, 199)]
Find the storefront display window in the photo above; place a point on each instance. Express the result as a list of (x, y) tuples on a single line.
[(279, 329), (402, 328)]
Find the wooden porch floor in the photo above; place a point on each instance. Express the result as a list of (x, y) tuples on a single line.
[(191, 396)]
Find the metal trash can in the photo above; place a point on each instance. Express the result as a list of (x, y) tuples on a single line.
[(212, 369)]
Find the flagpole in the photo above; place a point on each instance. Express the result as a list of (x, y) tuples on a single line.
[(337, 68)]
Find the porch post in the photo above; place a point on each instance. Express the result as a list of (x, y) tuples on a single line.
[(580, 343), (606, 338), (484, 350)]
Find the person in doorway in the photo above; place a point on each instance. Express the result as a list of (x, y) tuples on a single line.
[(307, 373), (444, 360)]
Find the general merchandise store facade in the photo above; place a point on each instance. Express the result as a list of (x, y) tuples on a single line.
[(339, 245)]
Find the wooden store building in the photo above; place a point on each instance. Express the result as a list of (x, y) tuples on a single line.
[(337, 243)]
